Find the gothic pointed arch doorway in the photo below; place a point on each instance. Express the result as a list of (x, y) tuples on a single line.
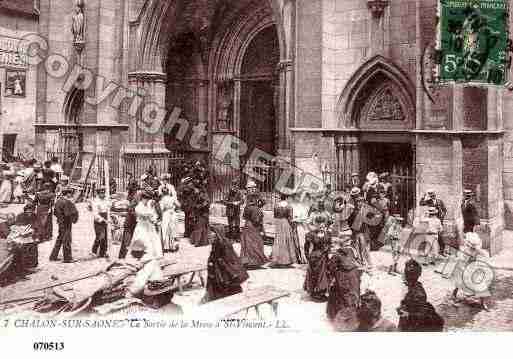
[(378, 116)]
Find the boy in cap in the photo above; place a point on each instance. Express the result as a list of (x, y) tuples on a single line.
[(67, 214), (392, 230)]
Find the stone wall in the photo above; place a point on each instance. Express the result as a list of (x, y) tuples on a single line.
[(18, 114)]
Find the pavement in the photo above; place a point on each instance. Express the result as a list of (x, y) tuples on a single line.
[(297, 309)]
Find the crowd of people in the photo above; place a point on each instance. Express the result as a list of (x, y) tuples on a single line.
[(330, 232)]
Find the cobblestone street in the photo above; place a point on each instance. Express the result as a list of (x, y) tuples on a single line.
[(389, 288)]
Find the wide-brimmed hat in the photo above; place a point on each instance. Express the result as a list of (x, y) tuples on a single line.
[(64, 178), (354, 174), (372, 177), (158, 287), (472, 240), (138, 246), (67, 190), (468, 193), (430, 191), (251, 184), (355, 191)]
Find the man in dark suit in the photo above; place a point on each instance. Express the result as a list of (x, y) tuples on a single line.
[(469, 212), (233, 203), (67, 215)]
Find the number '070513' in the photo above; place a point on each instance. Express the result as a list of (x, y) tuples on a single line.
[(48, 346)]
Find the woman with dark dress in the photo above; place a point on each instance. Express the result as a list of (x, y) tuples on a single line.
[(199, 236), (316, 280), (225, 270), (43, 225), (345, 278), (284, 250), (251, 238), (416, 314)]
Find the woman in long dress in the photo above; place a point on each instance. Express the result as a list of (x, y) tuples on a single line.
[(6, 187), (300, 223), (225, 270), (317, 247), (345, 279), (43, 225), (466, 266), (168, 204), (284, 251), (251, 238), (146, 230)]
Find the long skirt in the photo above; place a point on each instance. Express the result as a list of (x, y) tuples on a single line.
[(362, 244), (252, 246), (169, 229), (344, 293), (43, 225), (199, 236), (301, 231), (284, 251), (430, 249), (316, 280), (463, 277), (147, 233), (6, 191)]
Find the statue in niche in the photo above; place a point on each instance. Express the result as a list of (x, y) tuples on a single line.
[(225, 109), (78, 23)]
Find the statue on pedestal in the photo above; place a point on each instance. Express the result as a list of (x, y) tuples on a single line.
[(78, 25)]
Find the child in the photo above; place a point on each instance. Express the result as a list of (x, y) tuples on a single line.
[(18, 189), (392, 230), (462, 274)]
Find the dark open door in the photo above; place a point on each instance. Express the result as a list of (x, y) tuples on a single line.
[(257, 119), (9, 143)]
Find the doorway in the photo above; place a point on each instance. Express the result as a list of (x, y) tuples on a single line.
[(257, 125), (398, 160)]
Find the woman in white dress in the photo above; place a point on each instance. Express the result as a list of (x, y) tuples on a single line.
[(471, 276), (300, 210), (146, 230), (6, 187), (168, 204)]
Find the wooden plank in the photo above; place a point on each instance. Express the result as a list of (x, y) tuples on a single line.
[(237, 303), (182, 269)]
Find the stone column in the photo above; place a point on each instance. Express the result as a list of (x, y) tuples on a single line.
[(348, 155), (285, 108), (152, 86)]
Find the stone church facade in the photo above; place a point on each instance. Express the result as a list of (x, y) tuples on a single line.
[(337, 84)]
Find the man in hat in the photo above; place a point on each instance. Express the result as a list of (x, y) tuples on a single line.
[(100, 207), (469, 212), (369, 315), (233, 203), (132, 186), (67, 214), (430, 199)]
